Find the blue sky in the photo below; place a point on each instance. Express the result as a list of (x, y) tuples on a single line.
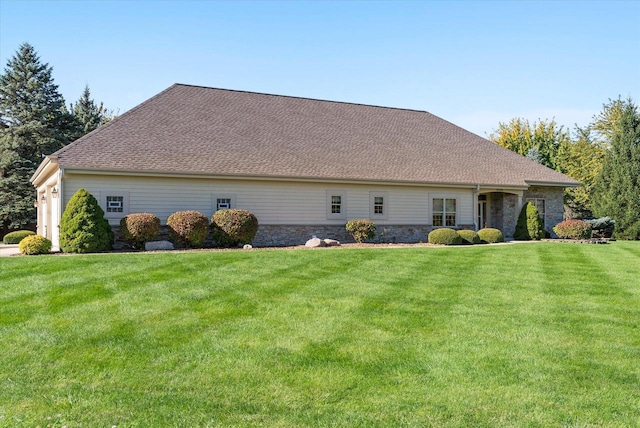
[(474, 63)]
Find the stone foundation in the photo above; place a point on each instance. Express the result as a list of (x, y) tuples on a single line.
[(289, 235)]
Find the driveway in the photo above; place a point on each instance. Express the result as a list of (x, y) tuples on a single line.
[(9, 250)]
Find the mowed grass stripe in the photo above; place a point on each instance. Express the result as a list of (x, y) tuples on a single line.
[(533, 334)]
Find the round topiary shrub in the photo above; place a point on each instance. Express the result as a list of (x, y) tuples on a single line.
[(530, 225), (139, 228), (83, 228), (231, 227), (35, 244), (490, 235), (16, 237), (444, 236), (469, 237), (361, 229), (188, 228), (573, 229)]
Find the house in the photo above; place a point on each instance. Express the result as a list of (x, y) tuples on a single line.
[(302, 166)]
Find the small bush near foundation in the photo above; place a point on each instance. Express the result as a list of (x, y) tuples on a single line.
[(469, 237), (361, 229), (444, 236), (530, 226), (35, 244), (573, 229), (490, 235), (83, 228), (231, 227), (188, 228), (16, 237), (139, 228)]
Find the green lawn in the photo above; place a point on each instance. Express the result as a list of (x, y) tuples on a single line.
[(543, 334)]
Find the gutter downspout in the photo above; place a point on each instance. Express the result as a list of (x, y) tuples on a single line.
[(475, 207)]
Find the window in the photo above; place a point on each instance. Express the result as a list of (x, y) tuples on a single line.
[(336, 204), (115, 204), (223, 202), (540, 205), (378, 205), (444, 211)]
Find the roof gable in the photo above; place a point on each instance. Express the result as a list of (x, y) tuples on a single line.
[(197, 130)]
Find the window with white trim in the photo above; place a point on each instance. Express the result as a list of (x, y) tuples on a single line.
[(444, 212), (223, 201), (378, 205), (336, 204), (114, 203), (540, 204)]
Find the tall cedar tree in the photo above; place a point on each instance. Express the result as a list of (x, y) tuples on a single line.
[(617, 189), (33, 122)]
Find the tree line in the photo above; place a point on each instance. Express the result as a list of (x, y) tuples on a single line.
[(604, 156), (35, 121)]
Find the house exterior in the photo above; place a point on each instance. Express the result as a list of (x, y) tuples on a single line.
[(302, 166)]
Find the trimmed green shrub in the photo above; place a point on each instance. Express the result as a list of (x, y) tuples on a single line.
[(444, 236), (361, 229), (490, 235), (573, 229), (469, 237), (530, 225), (83, 228), (35, 244), (17, 236), (188, 228), (231, 227), (139, 228)]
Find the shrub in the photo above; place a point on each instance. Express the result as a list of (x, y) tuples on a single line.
[(490, 235), (530, 225), (83, 228), (35, 244), (602, 227), (138, 228), (17, 236), (231, 227), (573, 229), (444, 236), (188, 228), (361, 229), (469, 237)]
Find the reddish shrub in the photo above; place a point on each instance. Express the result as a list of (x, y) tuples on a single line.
[(188, 228), (573, 229), (138, 228)]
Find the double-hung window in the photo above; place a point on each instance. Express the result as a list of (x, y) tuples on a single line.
[(444, 211), (378, 205), (336, 204)]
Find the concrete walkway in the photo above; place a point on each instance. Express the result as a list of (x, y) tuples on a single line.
[(9, 250)]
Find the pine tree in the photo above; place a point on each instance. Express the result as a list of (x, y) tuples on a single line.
[(87, 114), (83, 228), (617, 190), (33, 122)]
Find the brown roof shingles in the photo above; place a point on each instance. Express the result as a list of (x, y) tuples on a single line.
[(197, 130)]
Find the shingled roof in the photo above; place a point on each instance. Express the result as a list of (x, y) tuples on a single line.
[(206, 131)]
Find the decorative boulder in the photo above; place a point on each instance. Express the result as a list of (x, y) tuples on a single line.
[(315, 243), (158, 246), (247, 246), (331, 243)]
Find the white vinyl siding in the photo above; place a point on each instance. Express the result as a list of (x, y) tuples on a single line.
[(273, 202)]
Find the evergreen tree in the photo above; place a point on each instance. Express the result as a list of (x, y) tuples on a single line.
[(530, 225), (83, 228), (87, 114), (34, 122), (617, 190)]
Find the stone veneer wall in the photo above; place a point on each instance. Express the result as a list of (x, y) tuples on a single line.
[(504, 213), (554, 204), (288, 235)]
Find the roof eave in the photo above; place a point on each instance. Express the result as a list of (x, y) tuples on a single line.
[(48, 165)]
